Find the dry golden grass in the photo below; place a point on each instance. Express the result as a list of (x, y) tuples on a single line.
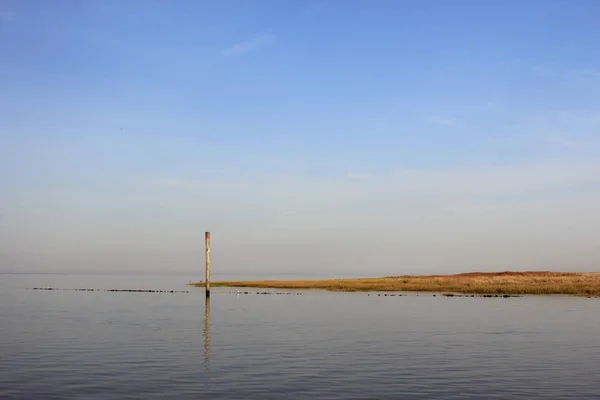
[(529, 282)]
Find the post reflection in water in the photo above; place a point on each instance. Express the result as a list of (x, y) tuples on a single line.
[(207, 334)]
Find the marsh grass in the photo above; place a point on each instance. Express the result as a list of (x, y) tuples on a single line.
[(508, 282)]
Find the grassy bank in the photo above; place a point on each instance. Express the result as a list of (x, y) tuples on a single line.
[(531, 282)]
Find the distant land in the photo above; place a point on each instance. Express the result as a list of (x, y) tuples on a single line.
[(506, 282)]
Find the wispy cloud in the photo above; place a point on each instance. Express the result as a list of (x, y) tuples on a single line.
[(590, 73), (566, 74), (561, 131), (442, 121), (251, 44), (586, 76)]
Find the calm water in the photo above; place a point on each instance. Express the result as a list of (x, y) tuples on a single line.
[(104, 345)]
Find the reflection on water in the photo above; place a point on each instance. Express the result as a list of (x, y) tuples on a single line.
[(207, 334), (322, 345)]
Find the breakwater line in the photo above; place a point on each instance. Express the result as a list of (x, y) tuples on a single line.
[(114, 290)]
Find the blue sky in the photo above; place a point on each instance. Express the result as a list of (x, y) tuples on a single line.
[(330, 137)]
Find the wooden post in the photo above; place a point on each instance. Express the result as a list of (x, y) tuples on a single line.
[(207, 277)]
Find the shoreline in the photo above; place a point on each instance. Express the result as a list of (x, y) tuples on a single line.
[(507, 282)]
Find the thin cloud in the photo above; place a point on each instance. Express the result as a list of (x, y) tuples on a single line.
[(249, 45), (565, 130), (589, 73), (442, 121), (586, 76)]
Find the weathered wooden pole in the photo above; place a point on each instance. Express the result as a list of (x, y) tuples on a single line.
[(207, 277)]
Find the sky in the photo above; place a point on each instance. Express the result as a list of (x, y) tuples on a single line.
[(321, 138)]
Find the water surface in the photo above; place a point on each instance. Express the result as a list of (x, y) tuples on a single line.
[(319, 345)]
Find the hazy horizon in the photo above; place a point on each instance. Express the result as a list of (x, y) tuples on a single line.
[(329, 138)]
